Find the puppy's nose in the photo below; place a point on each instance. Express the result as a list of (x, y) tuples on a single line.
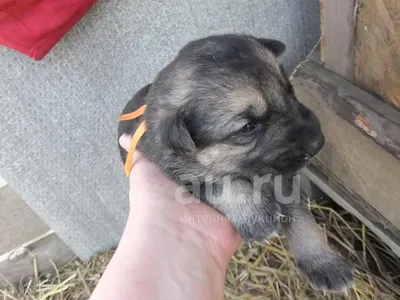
[(315, 145)]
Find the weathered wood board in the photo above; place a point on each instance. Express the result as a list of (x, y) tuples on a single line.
[(42, 252), (371, 117), (18, 223), (323, 181), (20, 227), (337, 36), (351, 154), (377, 49)]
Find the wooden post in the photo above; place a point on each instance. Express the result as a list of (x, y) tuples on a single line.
[(338, 19)]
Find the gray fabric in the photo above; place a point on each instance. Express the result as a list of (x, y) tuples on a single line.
[(58, 130)]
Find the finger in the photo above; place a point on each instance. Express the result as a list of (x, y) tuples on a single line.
[(125, 141)]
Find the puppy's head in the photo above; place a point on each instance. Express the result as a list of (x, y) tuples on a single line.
[(224, 106)]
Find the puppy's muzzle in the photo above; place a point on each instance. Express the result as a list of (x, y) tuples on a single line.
[(312, 147)]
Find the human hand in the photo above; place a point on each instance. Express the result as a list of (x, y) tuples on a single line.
[(169, 249)]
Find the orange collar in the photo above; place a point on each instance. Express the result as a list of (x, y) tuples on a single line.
[(136, 136)]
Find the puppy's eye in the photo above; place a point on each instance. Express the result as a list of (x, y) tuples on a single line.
[(249, 127)]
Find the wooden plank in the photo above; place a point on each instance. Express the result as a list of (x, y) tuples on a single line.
[(352, 203), (315, 53), (377, 61), (338, 27), (372, 117), (18, 223), (355, 158), (18, 263), (310, 190)]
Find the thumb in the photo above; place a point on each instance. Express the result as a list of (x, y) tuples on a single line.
[(125, 142)]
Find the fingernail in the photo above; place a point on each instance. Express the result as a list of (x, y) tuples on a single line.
[(125, 141)]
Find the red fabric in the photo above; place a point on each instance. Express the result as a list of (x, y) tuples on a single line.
[(33, 27)]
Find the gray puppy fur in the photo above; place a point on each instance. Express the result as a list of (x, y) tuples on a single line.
[(224, 113)]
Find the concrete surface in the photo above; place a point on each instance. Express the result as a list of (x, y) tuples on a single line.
[(58, 130)]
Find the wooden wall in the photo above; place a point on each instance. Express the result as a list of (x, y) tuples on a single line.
[(354, 88), (350, 155), (377, 49)]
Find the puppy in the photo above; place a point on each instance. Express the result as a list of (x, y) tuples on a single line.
[(222, 119)]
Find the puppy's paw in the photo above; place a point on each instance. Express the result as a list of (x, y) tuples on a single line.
[(327, 271), (257, 229)]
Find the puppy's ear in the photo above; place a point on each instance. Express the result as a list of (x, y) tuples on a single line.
[(275, 46), (175, 135)]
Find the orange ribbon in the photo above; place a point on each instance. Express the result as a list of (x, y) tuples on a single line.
[(136, 136)]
